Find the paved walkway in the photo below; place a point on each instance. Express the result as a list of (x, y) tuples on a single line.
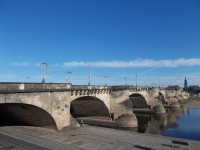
[(97, 138)]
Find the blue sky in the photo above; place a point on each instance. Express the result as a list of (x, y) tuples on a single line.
[(159, 40)]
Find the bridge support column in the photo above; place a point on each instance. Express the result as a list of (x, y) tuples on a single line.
[(60, 110), (127, 121), (159, 109)]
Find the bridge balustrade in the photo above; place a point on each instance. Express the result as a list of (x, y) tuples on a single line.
[(89, 92), (12, 87)]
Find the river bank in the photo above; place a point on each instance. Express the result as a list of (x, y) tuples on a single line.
[(193, 102), (99, 138)]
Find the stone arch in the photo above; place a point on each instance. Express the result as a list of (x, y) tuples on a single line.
[(25, 114), (88, 106), (51, 102), (138, 100)]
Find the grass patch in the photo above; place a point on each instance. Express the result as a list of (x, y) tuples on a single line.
[(194, 99)]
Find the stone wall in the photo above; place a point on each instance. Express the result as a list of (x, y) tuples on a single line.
[(14, 86), (32, 86)]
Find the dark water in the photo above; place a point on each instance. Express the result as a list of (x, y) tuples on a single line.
[(182, 123)]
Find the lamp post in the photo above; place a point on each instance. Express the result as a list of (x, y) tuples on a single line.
[(50, 77), (69, 76), (89, 75), (43, 65), (136, 80), (105, 79), (158, 82), (125, 81)]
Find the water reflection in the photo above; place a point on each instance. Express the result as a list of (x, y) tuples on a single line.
[(177, 122), (156, 123)]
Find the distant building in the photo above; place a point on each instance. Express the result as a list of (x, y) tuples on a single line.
[(173, 87)]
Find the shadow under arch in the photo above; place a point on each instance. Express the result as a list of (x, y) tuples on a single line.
[(138, 101), (161, 98), (18, 114), (88, 106)]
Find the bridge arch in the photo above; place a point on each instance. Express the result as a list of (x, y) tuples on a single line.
[(88, 106), (138, 100), (25, 114), (51, 102)]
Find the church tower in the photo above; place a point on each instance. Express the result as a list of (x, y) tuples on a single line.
[(185, 83)]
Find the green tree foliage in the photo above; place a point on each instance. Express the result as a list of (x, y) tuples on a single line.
[(194, 89)]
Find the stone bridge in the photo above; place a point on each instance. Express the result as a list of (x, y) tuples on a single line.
[(56, 105)]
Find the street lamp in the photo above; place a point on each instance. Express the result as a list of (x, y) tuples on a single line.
[(69, 76), (136, 80), (125, 81), (43, 65), (89, 75), (105, 79)]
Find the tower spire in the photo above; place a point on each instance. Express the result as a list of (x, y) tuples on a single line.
[(185, 83)]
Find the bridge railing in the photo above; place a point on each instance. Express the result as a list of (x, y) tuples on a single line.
[(13, 87)]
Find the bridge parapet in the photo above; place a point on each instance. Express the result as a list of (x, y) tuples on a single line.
[(89, 92), (25, 86), (16, 87)]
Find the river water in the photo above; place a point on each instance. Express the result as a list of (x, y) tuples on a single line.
[(180, 122)]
